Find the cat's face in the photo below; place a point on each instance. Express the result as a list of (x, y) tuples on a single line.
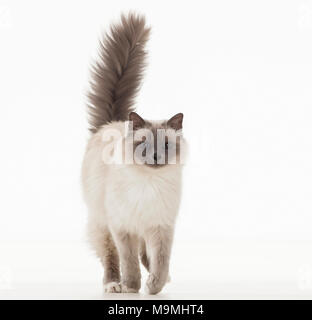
[(156, 143)]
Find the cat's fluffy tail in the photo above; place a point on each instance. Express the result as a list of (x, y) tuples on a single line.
[(116, 76)]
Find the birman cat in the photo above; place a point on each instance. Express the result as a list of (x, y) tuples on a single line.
[(132, 167)]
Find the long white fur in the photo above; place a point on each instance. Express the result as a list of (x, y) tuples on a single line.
[(129, 198)]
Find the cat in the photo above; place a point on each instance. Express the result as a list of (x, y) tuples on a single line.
[(133, 204)]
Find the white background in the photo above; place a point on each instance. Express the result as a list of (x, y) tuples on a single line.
[(240, 71)]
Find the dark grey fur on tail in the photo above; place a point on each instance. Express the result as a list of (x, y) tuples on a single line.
[(117, 75)]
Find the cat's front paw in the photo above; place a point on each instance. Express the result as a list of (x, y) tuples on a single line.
[(112, 287), (153, 284), (125, 289)]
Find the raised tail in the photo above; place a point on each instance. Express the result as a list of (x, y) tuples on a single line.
[(116, 77)]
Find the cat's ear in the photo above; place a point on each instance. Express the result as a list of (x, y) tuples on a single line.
[(137, 121), (176, 121)]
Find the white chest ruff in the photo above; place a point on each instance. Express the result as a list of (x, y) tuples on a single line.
[(136, 203)]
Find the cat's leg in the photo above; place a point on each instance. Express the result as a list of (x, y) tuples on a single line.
[(128, 247), (158, 241), (145, 258), (103, 244)]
